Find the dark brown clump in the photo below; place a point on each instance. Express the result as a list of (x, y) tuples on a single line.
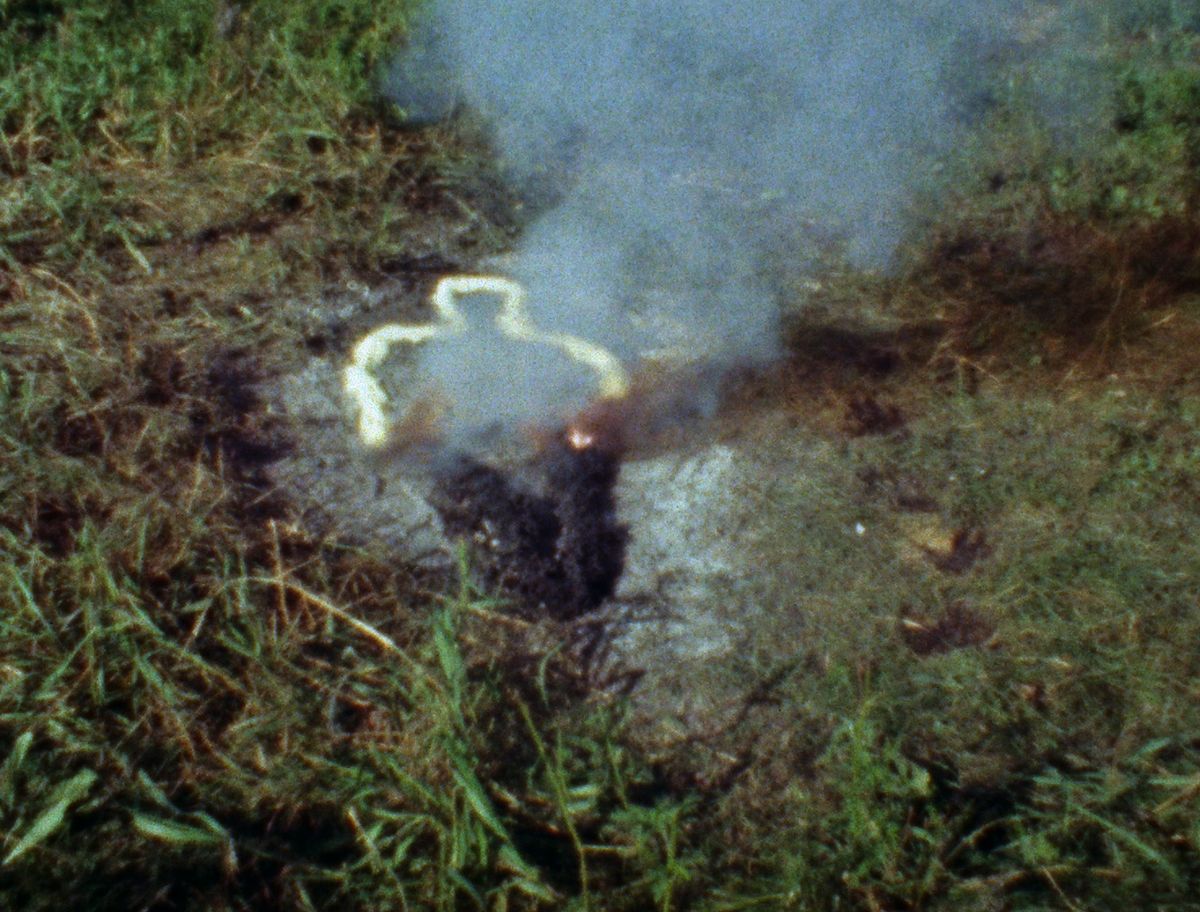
[(558, 553), (967, 546), (958, 627)]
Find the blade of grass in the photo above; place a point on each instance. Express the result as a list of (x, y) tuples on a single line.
[(53, 814), (12, 763)]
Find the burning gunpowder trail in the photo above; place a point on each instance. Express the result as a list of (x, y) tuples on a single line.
[(368, 396)]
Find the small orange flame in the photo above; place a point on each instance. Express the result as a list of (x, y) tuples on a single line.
[(579, 438)]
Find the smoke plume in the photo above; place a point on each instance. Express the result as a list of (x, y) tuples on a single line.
[(705, 140)]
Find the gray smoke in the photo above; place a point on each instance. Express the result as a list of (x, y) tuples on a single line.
[(706, 141)]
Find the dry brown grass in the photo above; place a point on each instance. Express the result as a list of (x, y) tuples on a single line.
[(1066, 287)]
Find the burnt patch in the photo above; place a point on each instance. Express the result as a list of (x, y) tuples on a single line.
[(592, 541), (556, 552), (865, 415), (230, 424), (874, 354), (232, 379), (967, 547), (844, 360), (958, 626), (484, 506)]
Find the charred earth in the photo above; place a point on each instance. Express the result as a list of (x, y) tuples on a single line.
[(558, 551)]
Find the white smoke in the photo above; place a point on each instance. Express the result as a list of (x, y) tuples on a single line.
[(702, 135)]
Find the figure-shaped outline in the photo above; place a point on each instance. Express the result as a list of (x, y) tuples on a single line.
[(358, 379)]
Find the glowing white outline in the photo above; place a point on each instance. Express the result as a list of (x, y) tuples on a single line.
[(369, 397)]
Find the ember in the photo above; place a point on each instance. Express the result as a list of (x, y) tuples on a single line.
[(580, 439)]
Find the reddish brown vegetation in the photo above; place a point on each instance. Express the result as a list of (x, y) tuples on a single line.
[(1086, 283)]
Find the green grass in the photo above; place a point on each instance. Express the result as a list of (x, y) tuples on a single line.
[(1002, 736), (202, 706), (106, 113)]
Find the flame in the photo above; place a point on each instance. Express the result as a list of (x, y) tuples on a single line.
[(580, 438)]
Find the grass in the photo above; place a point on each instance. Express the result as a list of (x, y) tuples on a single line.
[(238, 116), (203, 706), (1075, 243)]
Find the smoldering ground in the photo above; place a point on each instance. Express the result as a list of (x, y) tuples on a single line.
[(702, 138)]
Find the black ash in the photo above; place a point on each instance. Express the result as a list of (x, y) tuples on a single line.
[(552, 545)]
